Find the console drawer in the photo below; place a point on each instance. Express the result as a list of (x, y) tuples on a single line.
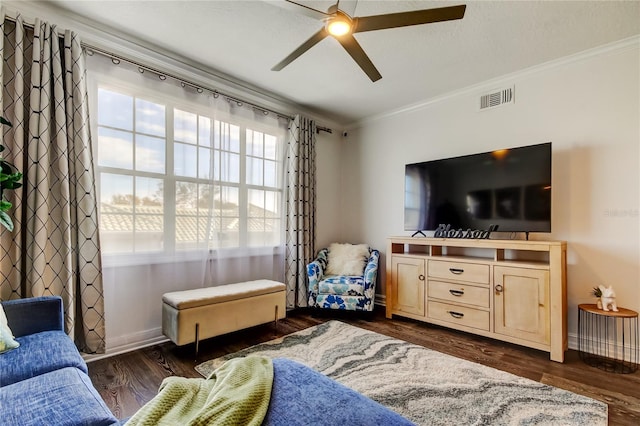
[(470, 272), (459, 293), (459, 315)]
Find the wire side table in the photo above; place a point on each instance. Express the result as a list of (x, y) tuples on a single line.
[(608, 340)]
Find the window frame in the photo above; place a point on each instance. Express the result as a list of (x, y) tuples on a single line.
[(169, 253)]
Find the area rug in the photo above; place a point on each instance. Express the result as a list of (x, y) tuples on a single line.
[(425, 386)]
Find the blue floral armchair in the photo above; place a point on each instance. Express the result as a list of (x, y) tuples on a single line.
[(347, 292)]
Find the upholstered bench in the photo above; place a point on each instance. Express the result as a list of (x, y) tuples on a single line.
[(192, 315)]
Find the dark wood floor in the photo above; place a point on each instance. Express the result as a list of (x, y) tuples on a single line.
[(129, 380)]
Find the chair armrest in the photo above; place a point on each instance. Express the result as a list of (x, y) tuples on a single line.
[(371, 272), (34, 315), (315, 272)]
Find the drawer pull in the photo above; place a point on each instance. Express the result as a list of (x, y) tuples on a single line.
[(455, 314), (457, 293), (456, 271), (421, 277), (499, 288)]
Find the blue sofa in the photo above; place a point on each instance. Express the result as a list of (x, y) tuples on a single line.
[(44, 381)]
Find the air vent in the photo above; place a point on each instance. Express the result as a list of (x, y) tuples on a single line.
[(496, 98)]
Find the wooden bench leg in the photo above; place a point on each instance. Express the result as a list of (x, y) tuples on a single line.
[(275, 323), (197, 338)]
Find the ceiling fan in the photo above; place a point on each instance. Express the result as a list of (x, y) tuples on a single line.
[(342, 27)]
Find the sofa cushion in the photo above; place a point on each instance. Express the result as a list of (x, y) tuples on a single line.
[(39, 353), (61, 397), (342, 284), (302, 396)]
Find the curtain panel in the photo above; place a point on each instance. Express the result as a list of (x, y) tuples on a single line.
[(300, 209), (54, 248)]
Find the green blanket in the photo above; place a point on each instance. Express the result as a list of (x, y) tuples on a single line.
[(236, 393)]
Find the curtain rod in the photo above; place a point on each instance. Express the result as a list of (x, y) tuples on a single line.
[(116, 59)]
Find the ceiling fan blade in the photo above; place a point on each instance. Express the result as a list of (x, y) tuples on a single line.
[(405, 19), (315, 39), (354, 49), (301, 8)]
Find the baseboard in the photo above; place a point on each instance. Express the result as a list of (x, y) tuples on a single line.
[(128, 343), (380, 299)]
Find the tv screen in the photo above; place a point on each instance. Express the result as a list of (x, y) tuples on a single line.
[(510, 188)]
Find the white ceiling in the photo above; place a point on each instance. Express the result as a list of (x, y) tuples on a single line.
[(245, 39)]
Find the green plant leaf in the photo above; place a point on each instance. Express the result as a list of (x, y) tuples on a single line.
[(5, 220), (5, 205), (5, 122)]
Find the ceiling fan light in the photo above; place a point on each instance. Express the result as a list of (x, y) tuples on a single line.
[(338, 27)]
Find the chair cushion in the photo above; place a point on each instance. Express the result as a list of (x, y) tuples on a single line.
[(62, 397), (39, 353), (347, 259), (342, 285)]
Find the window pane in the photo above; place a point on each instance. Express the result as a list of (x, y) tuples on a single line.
[(229, 167), (270, 174), (116, 231), (206, 195), (116, 213), (186, 198), (272, 204), (116, 190), (254, 144), (150, 154), (234, 144), (115, 109), (186, 231), (227, 201), (204, 132), (204, 163), (185, 126), (256, 203), (254, 171), (264, 232), (115, 148), (150, 118), (149, 193), (184, 160), (270, 147), (148, 232)]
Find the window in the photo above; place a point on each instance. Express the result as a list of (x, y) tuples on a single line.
[(175, 176)]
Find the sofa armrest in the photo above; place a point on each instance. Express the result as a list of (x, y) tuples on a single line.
[(34, 315)]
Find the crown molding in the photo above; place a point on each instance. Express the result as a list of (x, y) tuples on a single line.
[(630, 43)]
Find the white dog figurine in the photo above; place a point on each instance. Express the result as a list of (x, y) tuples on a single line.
[(608, 299)]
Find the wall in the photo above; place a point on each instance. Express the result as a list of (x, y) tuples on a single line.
[(587, 105)]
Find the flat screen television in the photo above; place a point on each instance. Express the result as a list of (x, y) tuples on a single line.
[(510, 188)]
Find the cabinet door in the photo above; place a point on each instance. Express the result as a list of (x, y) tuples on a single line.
[(408, 285), (521, 303)]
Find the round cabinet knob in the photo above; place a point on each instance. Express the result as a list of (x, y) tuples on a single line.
[(421, 277), (499, 288)]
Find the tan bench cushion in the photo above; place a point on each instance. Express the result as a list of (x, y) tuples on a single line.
[(211, 295)]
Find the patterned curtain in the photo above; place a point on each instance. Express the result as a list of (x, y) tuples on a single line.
[(54, 248), (301, 208)]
